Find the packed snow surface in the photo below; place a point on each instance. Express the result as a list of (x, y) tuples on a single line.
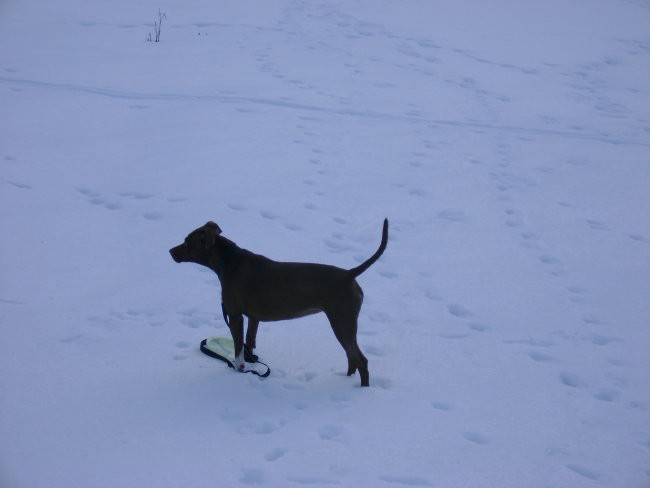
[(507, 325)]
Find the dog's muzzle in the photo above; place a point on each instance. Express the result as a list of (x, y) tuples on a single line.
[(175, 254)]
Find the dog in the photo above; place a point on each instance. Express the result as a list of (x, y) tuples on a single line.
[(265, 290)]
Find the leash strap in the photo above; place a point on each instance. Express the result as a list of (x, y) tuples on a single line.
[(225, 315), (213, 354)]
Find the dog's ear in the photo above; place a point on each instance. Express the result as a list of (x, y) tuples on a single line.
[(214, 227), (212, 230)]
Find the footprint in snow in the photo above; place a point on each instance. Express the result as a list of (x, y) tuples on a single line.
[(269, 215), (312, 480), (442, 406), (476, 438), (293, 227), (97, 199), (513, 218), (601, 340), (478, 327), (183, 346), (136, 195), (340, 397), (332, 432), (607, 395), (275, 454), (455, 216), (259, 428), (382, 383), (252, 476), (152, 215), (307, 376), (572, 380), (406, 480), (374, 351), (585, 472), (387, 274), (293, 386), (597, 225), (458, 311), (548, 259), (237, 207), (539, 356), (337, 245), (21, 185)]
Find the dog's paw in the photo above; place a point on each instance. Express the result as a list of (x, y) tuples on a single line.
[(240, 365), (249, 356)]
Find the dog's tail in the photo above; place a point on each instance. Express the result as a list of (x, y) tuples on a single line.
[(354, 272)]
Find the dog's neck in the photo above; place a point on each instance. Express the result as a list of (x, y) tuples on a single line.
[(225, 253)]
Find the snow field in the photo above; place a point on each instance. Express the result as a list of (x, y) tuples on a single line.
[(505, 326)]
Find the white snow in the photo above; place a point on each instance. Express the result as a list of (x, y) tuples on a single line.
[(506, 326)]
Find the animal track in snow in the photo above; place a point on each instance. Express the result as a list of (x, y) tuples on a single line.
[(406, 480), (252, 476), (332, 432), (607, 395), (264, 427), (293, 227), (237, 207), (337, 245), (22, 186), (312, 480), (97, 199), (597, 225), (442, 406), (585, 472), (387, 274), (459, 311), (269, 215), (455, 216), (380, 382), (374, 351), (340, 397), (572, 380), (136, 195), (476, 438), (275, 454), (540, 357), (152, 215), (478, 327), (307, 376)]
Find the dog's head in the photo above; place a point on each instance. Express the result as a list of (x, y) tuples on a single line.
[(197, 245)]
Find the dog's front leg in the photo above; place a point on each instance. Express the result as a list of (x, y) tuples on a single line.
[(237, 331), (251, 334)]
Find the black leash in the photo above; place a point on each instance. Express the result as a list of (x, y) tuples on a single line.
[(250, 358)]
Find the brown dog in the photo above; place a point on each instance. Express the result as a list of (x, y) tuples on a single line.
[(266, 290)]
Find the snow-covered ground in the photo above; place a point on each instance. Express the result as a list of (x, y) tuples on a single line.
[(507, 325)]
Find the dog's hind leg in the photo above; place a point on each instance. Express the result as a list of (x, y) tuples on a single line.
[(345, 330), (362, 365)]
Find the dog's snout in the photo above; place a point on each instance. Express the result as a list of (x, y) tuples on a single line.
[(175, 256)]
